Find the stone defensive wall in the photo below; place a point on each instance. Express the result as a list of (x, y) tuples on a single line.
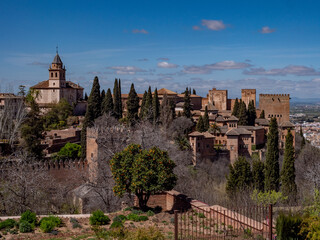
[(274, 95)]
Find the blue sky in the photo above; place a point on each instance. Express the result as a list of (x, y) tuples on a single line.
[(273, 46)]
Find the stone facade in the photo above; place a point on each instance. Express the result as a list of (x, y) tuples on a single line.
[(248, 95), (275, 105), (203, 144), (56, 87)]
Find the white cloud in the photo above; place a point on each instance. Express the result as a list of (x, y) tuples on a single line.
[(266, 29), (126, 70), (167, 65), (142, 31), (208, 68), (215, 25), (296, 70)]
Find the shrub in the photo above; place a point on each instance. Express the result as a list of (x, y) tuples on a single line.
[(116, 225), (98, 218), (119, 218), (143, 218), (150, 233), (75, 223), (138, 212), (150, 213), (29, 217), (133, 217), (7, 224), (288, 226), (310, 228), (128, 209), (47, 224), (25, 227)]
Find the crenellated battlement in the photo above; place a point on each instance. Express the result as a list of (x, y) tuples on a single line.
[(274, 95)]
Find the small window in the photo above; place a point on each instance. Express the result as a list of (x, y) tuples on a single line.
[(54, 84), (51, 74), (56, 74), (53, 90)]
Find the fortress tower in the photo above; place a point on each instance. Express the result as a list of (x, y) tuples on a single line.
[(248, 95), (275, 105)]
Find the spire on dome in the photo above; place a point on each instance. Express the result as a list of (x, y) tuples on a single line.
[(57, 59)]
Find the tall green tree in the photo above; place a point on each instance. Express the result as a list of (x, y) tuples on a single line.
[(148, 106), (252, 115), (107, 103), (172, 108), (93, 112), (258, 174), (142, 172), (166, 116), (243, 117), (132, 105), (262, 115), (240, 176), (117, 104), (200, 125), (272, 174), (187, 108), (155, 106), (288, 176), (143, 106), (194, 92), (236, 108), (206, 119), (31, 130), (103, 94)]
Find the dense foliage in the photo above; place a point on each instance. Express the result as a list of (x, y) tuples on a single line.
[(98, 218)]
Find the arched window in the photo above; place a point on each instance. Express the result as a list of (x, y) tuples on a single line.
[(51, 74), (56, 74)]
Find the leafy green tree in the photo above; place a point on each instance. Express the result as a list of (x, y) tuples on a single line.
[(266, 198), (132, 105), (143, 105), (70, 151), (262, 115), (142, 172), (272, 158), (155, 106), (107, 103), (236, 108), (240, 176), (187, 108), (243, 117), (57, 116), (206, 119), (258, 173), (288, 176), (93, 112), (200, 125), (31, 130), (252, 115)]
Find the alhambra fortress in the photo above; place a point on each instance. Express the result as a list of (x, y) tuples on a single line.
[(231, 140)]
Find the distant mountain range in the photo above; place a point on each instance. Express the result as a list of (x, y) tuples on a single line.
[(305, 100)]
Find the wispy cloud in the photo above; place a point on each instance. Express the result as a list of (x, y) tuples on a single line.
[(288, 70), (215, 25), (208, 68), (143, 59), (126, 70), (266, 29), (142, 31), (167, 65), (162, 59)]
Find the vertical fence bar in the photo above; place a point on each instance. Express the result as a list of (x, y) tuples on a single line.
[(270, 221), (176, 224)]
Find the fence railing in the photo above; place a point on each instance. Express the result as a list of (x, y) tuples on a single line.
[(217, 222)]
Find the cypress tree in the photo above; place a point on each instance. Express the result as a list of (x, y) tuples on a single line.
[(155, 106), (243, 117), (103, 94), (85, 96), (120, 99), (240, 176), (235, 111), (252, 115), (172, 108), (116, 99), (165, 112), (258, 174), (148, 106), (262, 115), (194, 92), (200, 125), (132, 105), (288, 176), (107, 103), (143, 106), (93, 112), (206, 119), (187, 104), (272, 158)]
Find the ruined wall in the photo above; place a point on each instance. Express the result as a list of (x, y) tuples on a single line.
[(248, 95), (219, 98), (275, 105)]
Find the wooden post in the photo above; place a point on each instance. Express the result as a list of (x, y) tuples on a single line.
[(270, 221), (176, 224)]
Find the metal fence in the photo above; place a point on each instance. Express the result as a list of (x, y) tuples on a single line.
[(218, 223)]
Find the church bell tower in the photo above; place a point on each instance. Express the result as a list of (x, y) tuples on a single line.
[(57, 73)]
